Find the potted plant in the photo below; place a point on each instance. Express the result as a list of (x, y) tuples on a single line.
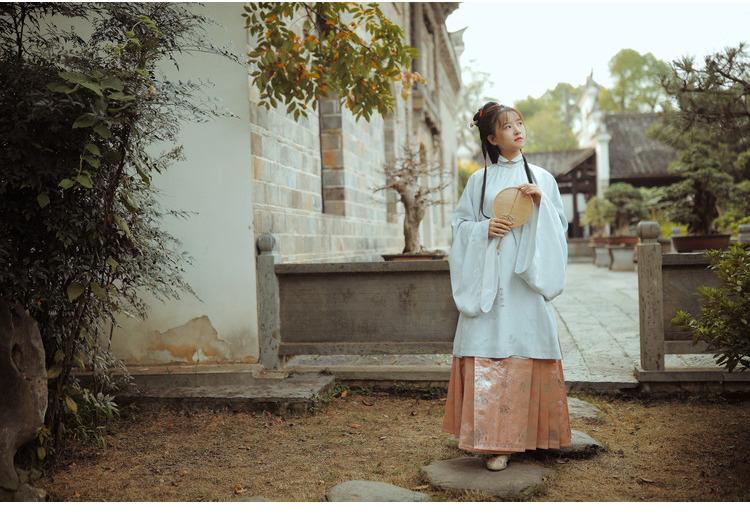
[(629, 209), (722, 322), (419, 182), (598, 215), (694, 200)]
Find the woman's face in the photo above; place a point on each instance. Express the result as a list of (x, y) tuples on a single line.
[(510, 134)]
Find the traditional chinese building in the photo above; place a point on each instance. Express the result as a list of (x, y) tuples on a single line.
[(612, 148), (312, 182)]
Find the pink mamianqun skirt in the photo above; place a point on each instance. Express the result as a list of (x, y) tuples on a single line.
[(507, 405)]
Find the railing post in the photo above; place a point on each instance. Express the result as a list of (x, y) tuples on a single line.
[(269, 311), (650, 296), (744, 236)]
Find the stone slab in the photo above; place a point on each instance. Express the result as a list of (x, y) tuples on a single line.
[(581, 444), (578, 409), (292, 395), (365, 491), (470, 473)]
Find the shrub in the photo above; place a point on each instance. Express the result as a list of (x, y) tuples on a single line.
[(724, 320), (80, 225)]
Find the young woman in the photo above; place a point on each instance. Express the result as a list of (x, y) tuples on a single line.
[(506, 392)]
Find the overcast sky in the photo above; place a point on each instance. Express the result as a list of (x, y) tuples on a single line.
[(531, 46)]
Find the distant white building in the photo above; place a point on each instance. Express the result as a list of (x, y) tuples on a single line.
[(612, 148)]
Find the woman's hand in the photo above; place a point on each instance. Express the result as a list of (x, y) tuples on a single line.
[(498, 228), (533, 191)]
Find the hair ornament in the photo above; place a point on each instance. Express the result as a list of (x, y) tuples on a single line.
[(476, 119)]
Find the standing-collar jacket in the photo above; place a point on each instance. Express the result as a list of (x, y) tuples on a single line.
[(504, 294)]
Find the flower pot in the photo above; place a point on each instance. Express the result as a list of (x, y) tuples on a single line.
[(690, 243), (627, 240)]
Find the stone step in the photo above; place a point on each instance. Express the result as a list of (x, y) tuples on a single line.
[(471, 474), (378, 375), (366, 491), (277, 393)]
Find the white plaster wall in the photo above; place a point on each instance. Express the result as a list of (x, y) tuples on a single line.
[(215, 183)]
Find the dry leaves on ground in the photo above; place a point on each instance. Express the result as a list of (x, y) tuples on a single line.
[(657, 450)]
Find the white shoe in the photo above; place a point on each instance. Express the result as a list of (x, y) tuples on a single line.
[(498, 462)]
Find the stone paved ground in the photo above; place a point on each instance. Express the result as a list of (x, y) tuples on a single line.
[(599, 328)]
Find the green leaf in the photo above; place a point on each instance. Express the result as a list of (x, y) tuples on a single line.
[(142, 72), (54, 371), (66, 183), (43, 199), (115, 110), (103, 131), (112, 263), (85, 120), (59, 86), (93, 87), (70, 404), (143, 174), (41, 453), (59, 356), (122, 224), (119, 96), (75, 77), (98, 291), (75, 289), (85, 180), (93, 161), (112, 84), (100, 105), (79, 361), (93, 149), (129, 202)]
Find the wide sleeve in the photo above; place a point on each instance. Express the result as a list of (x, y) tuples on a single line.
[(543, 249), (474, 268)]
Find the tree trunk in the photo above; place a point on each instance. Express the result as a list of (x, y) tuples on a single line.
[(413, 215)]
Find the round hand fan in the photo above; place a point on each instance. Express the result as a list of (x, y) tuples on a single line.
[(512, 205)]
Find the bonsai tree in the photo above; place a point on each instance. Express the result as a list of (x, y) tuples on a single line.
[(694, 200), (419, 183), (629, 207), (723, 321), (599, 213), (736, 210)]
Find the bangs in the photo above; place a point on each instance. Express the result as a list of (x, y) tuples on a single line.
[(507, 115)]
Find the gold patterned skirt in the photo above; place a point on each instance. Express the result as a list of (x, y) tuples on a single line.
[(507, 405)]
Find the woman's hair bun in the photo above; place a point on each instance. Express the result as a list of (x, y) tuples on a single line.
[(475, 120)]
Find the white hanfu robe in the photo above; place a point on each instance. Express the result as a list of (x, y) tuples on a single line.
[(504, 296)]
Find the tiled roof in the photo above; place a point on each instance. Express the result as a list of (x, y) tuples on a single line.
[(631, 153), (561, 162)]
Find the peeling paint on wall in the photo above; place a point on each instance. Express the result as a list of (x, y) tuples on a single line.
[(195, 342)]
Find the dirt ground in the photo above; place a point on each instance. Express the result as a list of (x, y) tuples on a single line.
[(667, 450)]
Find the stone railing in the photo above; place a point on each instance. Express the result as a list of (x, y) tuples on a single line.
[(360, 308), (668, 283)]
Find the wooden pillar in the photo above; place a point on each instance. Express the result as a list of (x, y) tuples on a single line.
[(574, 193), (269, 307), (650, 296)]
